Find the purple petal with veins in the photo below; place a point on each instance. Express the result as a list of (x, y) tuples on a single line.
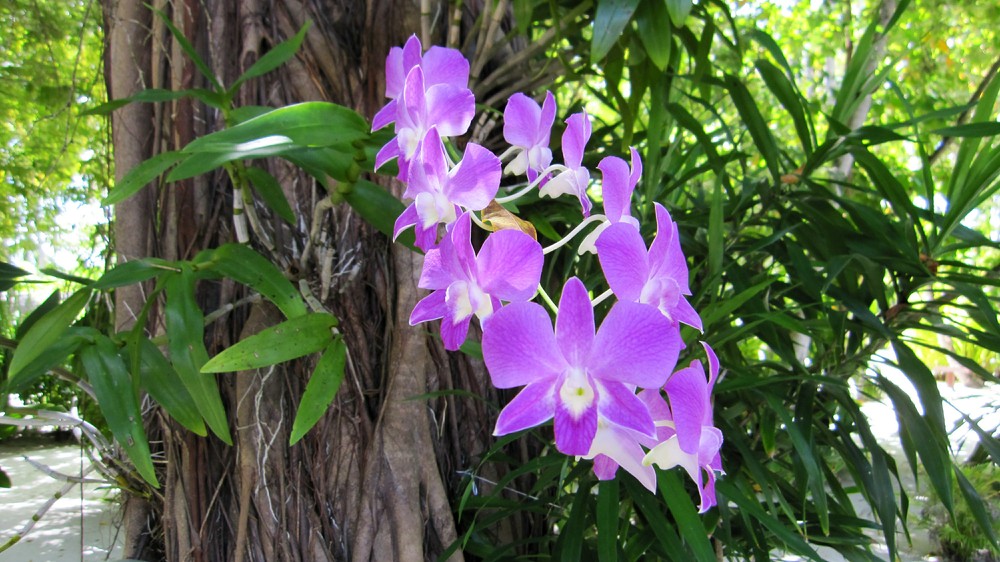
[(532, 406), (635, 345), (500, 251)]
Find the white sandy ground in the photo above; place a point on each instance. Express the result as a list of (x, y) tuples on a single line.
[(85, 528)]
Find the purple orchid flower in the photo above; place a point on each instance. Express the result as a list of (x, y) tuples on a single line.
[(439, 65), (688, 438), (659, 277), (528, 127), (616, 446), (508, 268), (437, 192), (444, 107), (575, 178), (572, 374), (618, 183)]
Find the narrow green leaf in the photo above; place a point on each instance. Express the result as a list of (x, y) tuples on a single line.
[(289, 340), (789, 98), (654, 32), (118, 402), (980, 511), (983, 129), (241, 263), (270, 191), (686, 516), (607, 520), (141, 175), (652, 510), (10, 272), (186, 341), (132, 272), (321, 389), (157, 95), (45, 333), (273, 58), (55, 355), (722, 309), (53, 272), (679, 11), (609, 22), (161, 381), (922, 437), (41, 310), (755, 124), (748, 503), (189, 49), (570, 545)]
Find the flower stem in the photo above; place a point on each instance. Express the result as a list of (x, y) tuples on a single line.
[(602, 297), (548, 300), (573, 233), (532, 185)]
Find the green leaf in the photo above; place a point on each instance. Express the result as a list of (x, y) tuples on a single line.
[(186, 342), (4, 479), (748, 503), (41, 310), (570, 545), (378, 207), (609, 22), (141, 175), (789, 98), (983, 129), (53, 272), (308, 124), (157, 95), (270, 191), (654, 32), (118, 402), (54, 356), (755, 124), (45, 333), (679, 11), (289, 340), (9, 275), (189, 49), (321, 389), (273, 58), (241, 263), (686, 516), (132, 272), (607, 520), (980, 511), (161, 381)]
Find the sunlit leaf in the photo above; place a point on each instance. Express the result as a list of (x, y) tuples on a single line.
[(288, 340)]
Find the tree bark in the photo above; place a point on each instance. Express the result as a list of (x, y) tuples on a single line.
[(372, 480)]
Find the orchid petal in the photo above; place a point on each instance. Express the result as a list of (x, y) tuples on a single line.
[(546, 119), (532, 406), (615, 187), (412, 50), (450, 109), (431, 307), (395, 73), (684, 312), (666, 259), (622, 254), (575, 323), (435, 274), (445, 66), (622, 407), (636, 174), (475, 180), (574, 139), (668, 454), (521, 118), (454, 327), (636, 345), (386, 153), (614, 447), (463, 262), (384, 116), (510, 265), (519, 346), (713, 365), (687, 391), (575, 434), (407, 218)]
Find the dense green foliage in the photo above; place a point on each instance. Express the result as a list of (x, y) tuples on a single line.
[(802, 273)]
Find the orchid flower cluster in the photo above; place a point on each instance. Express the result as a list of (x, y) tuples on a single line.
[(610, 390)]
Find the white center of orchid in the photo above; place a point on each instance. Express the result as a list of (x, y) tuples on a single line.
[(433, 208), (576, 392), (468, 299), (409, 139)]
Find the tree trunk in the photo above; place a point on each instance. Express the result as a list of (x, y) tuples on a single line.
[(372, 480)]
